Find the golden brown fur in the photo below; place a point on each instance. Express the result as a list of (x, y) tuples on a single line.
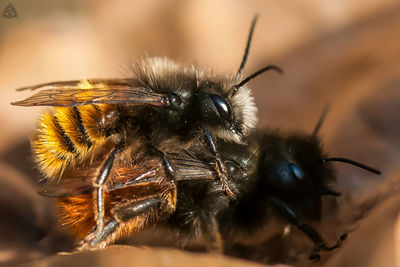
[(59, 141)]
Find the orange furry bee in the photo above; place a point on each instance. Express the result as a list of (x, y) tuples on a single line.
[(168, 106)]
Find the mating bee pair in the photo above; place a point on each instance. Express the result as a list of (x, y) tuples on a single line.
[(175, 145)]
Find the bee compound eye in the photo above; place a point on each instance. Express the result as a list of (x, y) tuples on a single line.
[(296, 170), (175, 100), (232, 168), (223, 108)]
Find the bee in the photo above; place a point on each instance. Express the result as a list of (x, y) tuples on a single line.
[(279, 178), (171, 105)]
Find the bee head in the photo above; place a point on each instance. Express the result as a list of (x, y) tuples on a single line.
[(240, 161), (230, 117), (221, 114), (291, 168), (295, 169), (214, 108)]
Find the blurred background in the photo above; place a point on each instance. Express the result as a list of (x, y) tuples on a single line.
[(345, 52)]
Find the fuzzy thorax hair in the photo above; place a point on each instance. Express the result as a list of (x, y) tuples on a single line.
[(162, 72)]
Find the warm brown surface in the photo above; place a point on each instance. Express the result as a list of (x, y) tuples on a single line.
[(131, 256), (343, 52)]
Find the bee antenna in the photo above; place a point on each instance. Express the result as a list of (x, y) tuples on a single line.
[(255, 74), (355, 163), (246, 51), (321, 120)]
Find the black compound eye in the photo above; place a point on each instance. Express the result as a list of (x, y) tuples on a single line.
[(233, 169), (296, 170), (175, 100), (222, 106)]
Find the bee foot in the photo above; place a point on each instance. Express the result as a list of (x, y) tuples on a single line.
[(89, 242)]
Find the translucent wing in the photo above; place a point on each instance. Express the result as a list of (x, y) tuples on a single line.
[(78, 84), (188, 166), (66, 187), (95, 91), (80, 181)]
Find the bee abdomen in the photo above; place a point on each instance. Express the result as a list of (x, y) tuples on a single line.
[(71, 123), (77, 213), (53, 148), (98, 121), (83, 132), (69, 135)]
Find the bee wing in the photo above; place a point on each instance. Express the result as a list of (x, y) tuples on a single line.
[(95, 91), (188, 166), (80, 182), (135, 176), (66, 187), (78, 84)]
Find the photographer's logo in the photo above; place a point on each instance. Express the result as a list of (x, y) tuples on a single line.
[(10, 12)]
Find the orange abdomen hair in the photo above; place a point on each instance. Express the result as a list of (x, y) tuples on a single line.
[(77, 212), (69, 134)]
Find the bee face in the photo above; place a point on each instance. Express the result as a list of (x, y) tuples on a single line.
[(291, 166), (294, 161), (241, 163), (214, 109), (231, 115)]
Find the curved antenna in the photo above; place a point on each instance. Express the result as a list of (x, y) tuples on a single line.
[(355, 163), (235, 88), (321, 120), (246, 51)]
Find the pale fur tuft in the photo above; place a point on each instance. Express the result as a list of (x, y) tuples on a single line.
[(244, 102)]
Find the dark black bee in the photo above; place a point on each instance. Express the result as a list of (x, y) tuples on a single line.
[(169, 105), (279, 179)]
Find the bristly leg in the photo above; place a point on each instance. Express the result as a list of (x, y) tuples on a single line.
[(220, 166), (108, 229), (168, 167), (94, 239), (320, 244), (120, 215), (99, 185)]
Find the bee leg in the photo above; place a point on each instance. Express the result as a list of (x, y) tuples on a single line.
[(97, 238), (120, 215), (320, 244), (99, 185), (127, 212), (167, 165), (220, 168)]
